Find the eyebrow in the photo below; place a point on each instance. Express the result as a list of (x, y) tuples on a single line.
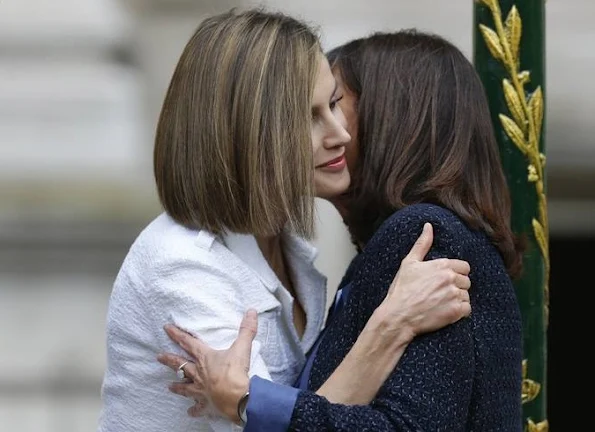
[(315, 108)]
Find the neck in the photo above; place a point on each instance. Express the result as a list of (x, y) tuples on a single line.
[(270, 246)]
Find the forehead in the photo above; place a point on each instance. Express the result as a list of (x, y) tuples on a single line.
[(325, 82)]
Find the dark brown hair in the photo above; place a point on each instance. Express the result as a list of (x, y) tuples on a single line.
[(233, 146), (425, 135)]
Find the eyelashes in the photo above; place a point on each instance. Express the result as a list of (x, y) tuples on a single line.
[(334, 103), (332, 106)]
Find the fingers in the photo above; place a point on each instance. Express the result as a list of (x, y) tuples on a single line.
[(458, 307), (423, 244), (465, 309), (464, 296), (459, 266), (193, 389), (199, 408), (176, 362), (170, 360), (462, 282), (462, 306), (248, 329), (449, 270), (192, 345), (190, 390)]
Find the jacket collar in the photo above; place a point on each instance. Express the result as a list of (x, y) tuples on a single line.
[(245, 247)]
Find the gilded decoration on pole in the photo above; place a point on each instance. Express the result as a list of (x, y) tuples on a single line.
[(523, 125)]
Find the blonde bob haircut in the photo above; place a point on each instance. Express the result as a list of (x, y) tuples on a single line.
[(233, 146)]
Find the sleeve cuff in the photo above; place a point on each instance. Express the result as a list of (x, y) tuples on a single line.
[(270, 406)]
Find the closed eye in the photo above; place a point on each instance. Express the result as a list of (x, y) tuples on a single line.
[(334, 103)]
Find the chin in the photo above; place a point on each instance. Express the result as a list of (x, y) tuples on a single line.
[(333, 187)]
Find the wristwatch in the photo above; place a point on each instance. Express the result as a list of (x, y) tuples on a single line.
[(242, 409)]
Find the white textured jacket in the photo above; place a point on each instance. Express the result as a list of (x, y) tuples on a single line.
[(204, 284)]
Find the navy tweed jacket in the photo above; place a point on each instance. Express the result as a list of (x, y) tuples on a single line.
[(464, 377)]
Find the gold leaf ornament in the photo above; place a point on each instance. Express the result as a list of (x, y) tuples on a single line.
[(514, 104), (492, 42), (530, 388), (524, 77), (538, 427), (514, 132), (540, 236), (514, 28), (536, 109), (488, 3), (532, 177)]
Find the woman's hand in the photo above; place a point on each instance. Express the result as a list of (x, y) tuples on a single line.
[(217, 377), (425, 295)]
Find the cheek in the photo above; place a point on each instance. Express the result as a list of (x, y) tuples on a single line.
[(331, 186), (316, 140), (341, 117)]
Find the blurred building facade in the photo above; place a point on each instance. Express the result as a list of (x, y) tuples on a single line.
[(81, 85)]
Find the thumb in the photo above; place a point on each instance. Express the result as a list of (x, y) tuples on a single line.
[(248, 329), (423, 244)]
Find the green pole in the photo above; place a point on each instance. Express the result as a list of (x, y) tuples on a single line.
[(509, 55)]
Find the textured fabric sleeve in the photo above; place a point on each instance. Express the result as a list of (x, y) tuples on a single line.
[(174, 275), (430, 388), (203, 300), (270, 406)]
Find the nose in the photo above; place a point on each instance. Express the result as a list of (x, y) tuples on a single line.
[(337, 134)]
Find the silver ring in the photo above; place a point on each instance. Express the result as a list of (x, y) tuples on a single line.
[(180, 372)]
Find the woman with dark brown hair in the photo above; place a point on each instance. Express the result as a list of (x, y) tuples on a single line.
[(423, 149)]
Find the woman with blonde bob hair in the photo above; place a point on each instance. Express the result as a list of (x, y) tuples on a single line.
[(249, 133), (222, 164)]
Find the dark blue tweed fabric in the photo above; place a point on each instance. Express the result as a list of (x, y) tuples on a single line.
[(464, 377)]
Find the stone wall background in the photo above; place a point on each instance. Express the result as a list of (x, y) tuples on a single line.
[(81, 84)]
